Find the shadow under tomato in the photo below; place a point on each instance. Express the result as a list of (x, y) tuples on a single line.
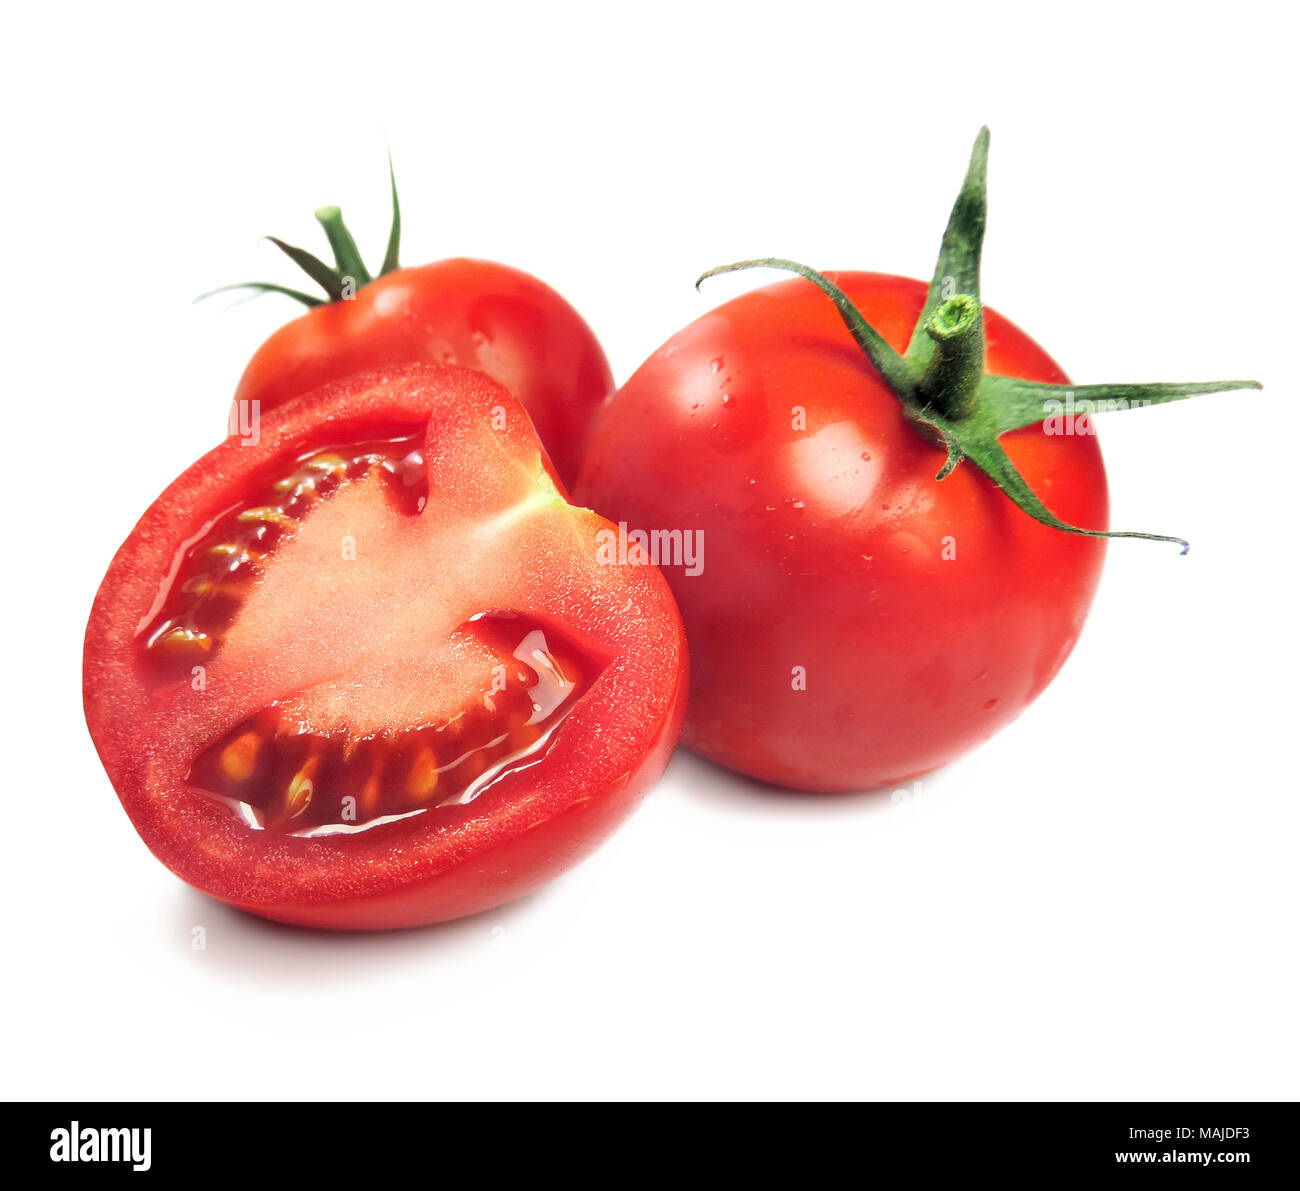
[(259, 950), (724, 787)]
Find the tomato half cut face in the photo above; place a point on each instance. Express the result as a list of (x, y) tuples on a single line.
[(372, 670)]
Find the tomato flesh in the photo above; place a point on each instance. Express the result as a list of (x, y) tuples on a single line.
[(211, 575), (278, 772), (369, 672)]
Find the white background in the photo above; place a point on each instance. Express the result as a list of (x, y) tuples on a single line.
[(1100, 903)]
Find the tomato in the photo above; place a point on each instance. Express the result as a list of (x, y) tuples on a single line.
[(824, 541), (369, 671), (872, 602), (476, 313)]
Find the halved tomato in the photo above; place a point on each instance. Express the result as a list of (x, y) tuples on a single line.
[(371, 671)]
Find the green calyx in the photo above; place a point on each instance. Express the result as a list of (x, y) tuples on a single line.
[(940, 379), (349, 273)]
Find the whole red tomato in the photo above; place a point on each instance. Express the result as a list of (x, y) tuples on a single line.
[(368, 671), (482, 315), (857, 621), (921, 616)]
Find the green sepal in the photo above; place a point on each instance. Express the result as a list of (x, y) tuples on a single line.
[(264, 287), (977, 440), (347, 258), (887, 361), (315, 268), (1018, 403), (395, 229)]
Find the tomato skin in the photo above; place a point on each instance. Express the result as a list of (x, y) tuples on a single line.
[(533, 822), (824, 547), (479, 314)]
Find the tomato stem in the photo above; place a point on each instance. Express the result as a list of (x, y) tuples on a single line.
[(346, 256), (347, 259), (940, 380), (951, 379)]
